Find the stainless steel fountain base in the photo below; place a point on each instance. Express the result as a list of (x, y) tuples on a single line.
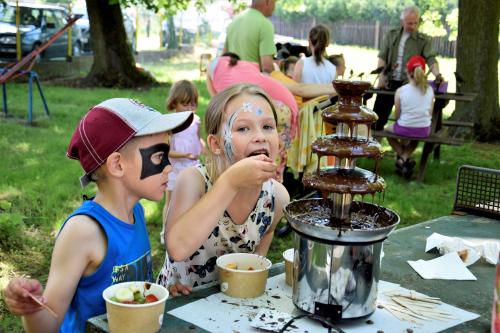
[(335, 281), (336, 269)]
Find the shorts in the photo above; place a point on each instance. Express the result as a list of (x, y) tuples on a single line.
[(412, 132)]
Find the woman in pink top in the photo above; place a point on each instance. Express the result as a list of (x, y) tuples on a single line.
[(228, 70)]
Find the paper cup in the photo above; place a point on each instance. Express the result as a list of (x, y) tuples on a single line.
[(131, 318), (288, 257), (242, 282)]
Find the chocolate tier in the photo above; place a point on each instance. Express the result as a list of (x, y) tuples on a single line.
[(349, 115), (332, 145), (336, 180)]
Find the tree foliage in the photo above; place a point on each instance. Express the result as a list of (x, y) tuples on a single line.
[(434, 12)]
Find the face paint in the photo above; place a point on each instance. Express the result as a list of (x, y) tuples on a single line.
[(249, 107), (227, 134), (150, 168), (228, 137)]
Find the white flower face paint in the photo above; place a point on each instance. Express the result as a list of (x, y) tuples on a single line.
[(227, 133), (228, 136)]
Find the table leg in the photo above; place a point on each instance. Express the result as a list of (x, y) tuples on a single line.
[(438, 113), (428, 147)]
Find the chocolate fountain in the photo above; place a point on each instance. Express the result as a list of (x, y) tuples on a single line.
[(338, 241)]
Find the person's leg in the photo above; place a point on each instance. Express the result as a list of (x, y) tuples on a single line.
[(408, 164), (409, 148), (382, 107), (396, 145)]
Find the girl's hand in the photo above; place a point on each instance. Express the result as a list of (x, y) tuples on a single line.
[(17, 296), (251, 171), (191, 156), (179, 289)]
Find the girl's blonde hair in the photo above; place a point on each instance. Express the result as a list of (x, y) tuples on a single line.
[(418, 75), (216, 163), (182, 92), (319, 36)]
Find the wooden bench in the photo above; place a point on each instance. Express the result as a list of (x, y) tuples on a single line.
[(430, 143), (438, 135)]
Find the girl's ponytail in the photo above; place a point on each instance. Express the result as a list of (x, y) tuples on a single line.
[(416, 69), (319, 36), (420, 79)]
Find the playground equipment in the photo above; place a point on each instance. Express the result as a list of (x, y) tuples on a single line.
[(24, 67)]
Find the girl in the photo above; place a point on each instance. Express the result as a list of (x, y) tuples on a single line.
[(233, 204), (414, 103), (185, 146), (316, 69)]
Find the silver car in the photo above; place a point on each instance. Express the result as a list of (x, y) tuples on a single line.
[(38, 24)]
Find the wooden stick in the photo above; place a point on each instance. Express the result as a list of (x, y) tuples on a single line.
[(45, 306)]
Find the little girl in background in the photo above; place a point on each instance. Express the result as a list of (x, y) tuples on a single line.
[(185, 146), (316, 69), (287, 66), (414, 103), (232, 204)]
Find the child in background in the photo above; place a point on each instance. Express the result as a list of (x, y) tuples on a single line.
[(186, 146), (414, 103), (287, 66), (120, 144), (339, 62), (315, 69), (233, 204)]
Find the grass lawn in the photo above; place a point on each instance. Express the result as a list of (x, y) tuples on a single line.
[(39, 186)]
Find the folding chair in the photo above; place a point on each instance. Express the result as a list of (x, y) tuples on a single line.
[(478, 192)]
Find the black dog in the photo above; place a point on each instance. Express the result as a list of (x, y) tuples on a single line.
[(289, 49)]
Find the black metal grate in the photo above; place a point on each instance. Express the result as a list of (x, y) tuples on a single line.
[(478, 191)]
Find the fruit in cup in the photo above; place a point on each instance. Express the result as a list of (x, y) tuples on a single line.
[(132, 295)]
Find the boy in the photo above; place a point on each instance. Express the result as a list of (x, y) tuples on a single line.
[(120, 144)]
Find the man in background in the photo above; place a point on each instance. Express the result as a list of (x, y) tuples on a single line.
[(251, 35), (398, 46)]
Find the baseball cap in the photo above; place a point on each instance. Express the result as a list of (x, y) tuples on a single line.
[(414, 62), (109, 125)]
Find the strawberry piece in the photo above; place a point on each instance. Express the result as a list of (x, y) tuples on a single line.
[(151, 298)]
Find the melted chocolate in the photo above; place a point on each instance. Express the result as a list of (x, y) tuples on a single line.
[(336, 180), (332, 145), (345, 179), (364, 216)]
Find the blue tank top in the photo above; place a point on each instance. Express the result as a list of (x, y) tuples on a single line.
[(128, 258)]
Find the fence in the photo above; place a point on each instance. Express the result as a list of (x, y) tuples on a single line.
[(346, 32)]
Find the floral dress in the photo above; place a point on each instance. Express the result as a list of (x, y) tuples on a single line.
[(226, 237)]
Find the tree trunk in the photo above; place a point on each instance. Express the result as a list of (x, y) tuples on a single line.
[(172, 37), (114, 64), (477, 63)]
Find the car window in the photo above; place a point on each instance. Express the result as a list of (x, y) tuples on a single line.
[(28, 16), (60, 18), (50, 19)]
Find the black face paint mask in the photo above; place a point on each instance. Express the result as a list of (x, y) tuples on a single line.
[(148, 167)]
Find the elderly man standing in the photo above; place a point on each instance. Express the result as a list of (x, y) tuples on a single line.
[(397, 47), (251, 35)]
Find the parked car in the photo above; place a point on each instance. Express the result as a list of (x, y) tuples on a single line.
[(38, 24)]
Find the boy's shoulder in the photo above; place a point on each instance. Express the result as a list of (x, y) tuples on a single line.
[(92, 213)]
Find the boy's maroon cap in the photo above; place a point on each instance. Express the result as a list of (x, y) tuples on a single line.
[(109, 125), (414, 62)]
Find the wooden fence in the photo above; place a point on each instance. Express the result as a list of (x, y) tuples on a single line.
[(346, 32)]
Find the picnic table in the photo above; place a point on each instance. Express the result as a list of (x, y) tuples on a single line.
[(437, 137), (402, 245)]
